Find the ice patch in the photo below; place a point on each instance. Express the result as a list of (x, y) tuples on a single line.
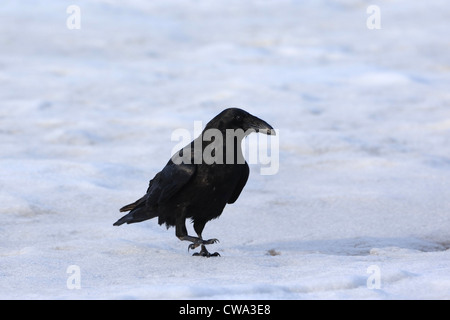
[(381, 79)]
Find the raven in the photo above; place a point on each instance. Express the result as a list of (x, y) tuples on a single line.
[(200, 179)]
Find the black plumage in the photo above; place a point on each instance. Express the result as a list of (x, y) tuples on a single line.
[(200, 179)]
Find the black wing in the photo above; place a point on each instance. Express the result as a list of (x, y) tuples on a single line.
[(142, 201), (164, 185), (169, 182), (240, 185)]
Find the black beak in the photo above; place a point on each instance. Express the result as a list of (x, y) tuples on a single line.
[(260, 126)]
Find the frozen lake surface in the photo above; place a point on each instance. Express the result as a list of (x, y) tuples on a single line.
[(360, 205)]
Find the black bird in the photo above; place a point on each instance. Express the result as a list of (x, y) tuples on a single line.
[(200, 179)]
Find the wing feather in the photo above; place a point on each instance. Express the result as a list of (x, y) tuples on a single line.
[(169, 182), (240, 185)]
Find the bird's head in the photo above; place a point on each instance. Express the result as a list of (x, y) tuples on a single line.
[(235, 118)]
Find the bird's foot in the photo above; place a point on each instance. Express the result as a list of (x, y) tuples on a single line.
[(201, 242), (205, 253)]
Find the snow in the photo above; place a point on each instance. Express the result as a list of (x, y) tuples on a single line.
[(362, 189)]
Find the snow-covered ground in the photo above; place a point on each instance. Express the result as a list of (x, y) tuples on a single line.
[(362, 195)]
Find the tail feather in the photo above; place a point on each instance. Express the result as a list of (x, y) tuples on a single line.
[(129, 207), (137, 215), (139, 211), (138, 203), (124, 219)]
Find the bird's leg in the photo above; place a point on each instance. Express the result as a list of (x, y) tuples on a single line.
[(198, 227), (181, 233), (196, 241), (202, 242)]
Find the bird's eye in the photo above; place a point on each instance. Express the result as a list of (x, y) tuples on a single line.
[(238, 118)]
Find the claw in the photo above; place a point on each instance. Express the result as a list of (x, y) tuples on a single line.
[(206, 254), (192, 246), (211, 241), (197, 243)]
